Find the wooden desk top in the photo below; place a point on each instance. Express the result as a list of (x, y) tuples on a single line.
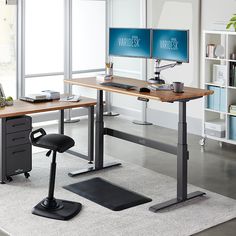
[(22, 108), (164, 96)]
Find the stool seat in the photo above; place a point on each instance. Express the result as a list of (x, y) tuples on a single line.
[(55, 142)]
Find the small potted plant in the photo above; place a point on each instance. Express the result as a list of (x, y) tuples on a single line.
[(2, 102), (9, 101), (232, 22)]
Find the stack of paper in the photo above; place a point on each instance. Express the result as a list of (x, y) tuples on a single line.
[(103, 77)]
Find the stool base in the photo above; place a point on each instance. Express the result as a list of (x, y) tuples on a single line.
[(64, 210)]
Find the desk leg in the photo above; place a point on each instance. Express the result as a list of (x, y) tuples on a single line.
[(91, 134), (99, 136), (91, 137), (182, 165), (99, 140), (61, 122)]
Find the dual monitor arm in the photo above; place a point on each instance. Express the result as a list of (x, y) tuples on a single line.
[(158, 69)]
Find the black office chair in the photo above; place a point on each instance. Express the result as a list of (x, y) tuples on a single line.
[(51, 207)]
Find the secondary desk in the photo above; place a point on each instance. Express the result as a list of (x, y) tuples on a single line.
[(181, 150), (23, 108)]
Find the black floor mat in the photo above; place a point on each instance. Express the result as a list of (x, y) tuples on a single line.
[(107, 194)]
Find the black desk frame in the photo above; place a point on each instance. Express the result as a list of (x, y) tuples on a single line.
[(90, 156), (181, 151)]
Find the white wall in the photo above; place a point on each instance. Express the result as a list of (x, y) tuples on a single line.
[(216, 13)]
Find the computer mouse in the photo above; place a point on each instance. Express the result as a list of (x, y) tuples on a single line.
[(144, 89)]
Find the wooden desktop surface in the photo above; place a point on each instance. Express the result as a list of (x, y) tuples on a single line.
[(164, 96), (22, 108)]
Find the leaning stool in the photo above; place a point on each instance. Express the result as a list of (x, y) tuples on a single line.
[(51, 207)]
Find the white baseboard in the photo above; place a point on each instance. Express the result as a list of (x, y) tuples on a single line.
[(163, 119)]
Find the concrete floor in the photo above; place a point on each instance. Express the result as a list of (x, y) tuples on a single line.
[(213, 168)]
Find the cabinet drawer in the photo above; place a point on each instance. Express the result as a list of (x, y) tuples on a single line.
[(18, 124), (18, 159), (18, 138)]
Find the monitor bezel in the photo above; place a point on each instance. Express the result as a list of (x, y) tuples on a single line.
[(164, 59), (112, 55)]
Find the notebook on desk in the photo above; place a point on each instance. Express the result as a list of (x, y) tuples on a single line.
[(33, 100)]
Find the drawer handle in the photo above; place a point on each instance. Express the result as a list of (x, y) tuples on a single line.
[(20, 124), (20, 151), (15, 139)]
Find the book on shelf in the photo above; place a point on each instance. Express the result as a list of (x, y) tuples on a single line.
[(232, 107), (233, 112)]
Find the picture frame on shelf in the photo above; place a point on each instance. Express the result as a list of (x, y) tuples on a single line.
[(2, 94), (219, 74)]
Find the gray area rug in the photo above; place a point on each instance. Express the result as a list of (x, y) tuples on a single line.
[(18, 197)]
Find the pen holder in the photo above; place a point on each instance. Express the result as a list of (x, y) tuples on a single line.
[(109, 71)]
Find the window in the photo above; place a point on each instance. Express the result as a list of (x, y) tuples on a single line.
[(45, 82), (8, 48), (44, 36), (45, 47), (89, 34)]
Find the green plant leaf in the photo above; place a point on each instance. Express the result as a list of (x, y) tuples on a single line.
[(233, 18), (229, 25), (235, 26)]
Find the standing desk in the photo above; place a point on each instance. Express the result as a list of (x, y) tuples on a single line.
[(23, 108), (181, 150)]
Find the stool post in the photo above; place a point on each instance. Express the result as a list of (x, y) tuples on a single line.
[(52, 177)]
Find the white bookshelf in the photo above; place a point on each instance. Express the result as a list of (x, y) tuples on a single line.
[(228, 41)]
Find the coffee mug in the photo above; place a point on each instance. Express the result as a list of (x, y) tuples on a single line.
[(178, 87)]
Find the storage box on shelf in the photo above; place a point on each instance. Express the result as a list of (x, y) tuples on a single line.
[(215, 128), (219, 75), (217, 101), (232, 124)]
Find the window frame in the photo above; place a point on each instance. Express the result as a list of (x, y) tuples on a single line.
[(68, 72)]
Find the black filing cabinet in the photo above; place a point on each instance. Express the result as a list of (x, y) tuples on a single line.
[(16, 149)]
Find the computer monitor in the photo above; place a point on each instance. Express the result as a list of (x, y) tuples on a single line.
[(171, 45), (128, 42)]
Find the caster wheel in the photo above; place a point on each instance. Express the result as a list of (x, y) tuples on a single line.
[(27, 175), (202, 142), (9, 178), (2, 182)]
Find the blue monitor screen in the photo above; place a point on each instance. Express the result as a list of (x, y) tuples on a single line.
[(130, 42), (171, 45)]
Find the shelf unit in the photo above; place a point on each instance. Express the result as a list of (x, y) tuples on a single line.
[(228, 41)]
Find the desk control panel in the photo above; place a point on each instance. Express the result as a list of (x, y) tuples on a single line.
[(16, 149)]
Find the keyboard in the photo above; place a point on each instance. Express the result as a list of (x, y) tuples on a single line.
[(118, 85)]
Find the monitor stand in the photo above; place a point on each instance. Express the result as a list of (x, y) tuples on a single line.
[(156, 79), (157, 71)]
